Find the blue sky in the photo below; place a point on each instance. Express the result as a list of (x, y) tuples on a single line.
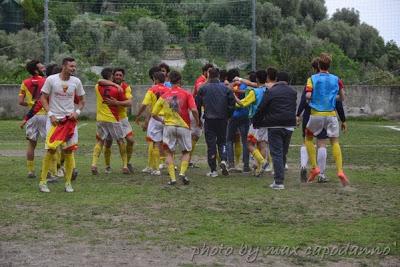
[(384, 15)]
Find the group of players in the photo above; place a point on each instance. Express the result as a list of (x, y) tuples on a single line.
[(171, 118)]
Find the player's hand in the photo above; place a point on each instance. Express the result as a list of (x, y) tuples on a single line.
[(120, 90), (53, 120), (111, 101), (344, 127), (22, 124), (137, 120), (297, 120), (73, 116)]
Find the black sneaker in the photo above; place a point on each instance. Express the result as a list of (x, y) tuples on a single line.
[(246, 170), (224, 168), (172, 183), (94, 170), (74, 174), (184, 179), (31, 175), (303, 175), (130, 168)]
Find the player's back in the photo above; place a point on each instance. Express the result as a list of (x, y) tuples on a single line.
[(105, 112)]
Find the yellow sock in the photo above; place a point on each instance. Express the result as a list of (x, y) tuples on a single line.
[(337, 155), (155, 157), (53, 166), (69, 166), (171, 172), (129, 151), (58, 158), (312, 154), (238, 151), (257, 156), (62, 158), (31, 166), (45, 167), (107, 156), (184, 167), (73, 160), (122, 152), (96, 153), (194, 142), (150, 155)]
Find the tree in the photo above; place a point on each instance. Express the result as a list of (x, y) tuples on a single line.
[(122, 38), (289, 8), (372, 46), (268, 18), (129, 15), (314, 8), (393, 54), (155, 34), (191, 70), (350, 16), (63, 14), (27, 44), (33, 12)]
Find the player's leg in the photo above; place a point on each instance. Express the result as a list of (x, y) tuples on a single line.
[(107, 153), (185, 142), (157, 146), (169, 140), (314, 126), (321, 157)]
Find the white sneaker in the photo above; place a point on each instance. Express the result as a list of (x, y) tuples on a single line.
[(162, 166), (212, 174), (286, 167), (224, 168), (147, 170), (60, 172), (277, 186), (156, 172), (68, 188), (43, 188), (107, 170)]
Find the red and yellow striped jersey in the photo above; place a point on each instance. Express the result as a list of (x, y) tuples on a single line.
[(175, 105), (31, 89), (105, 112)]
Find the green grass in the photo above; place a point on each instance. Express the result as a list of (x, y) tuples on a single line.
[(232, 210)]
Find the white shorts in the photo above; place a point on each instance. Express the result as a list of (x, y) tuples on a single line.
[(155, 130), (36, 127), (126, 127), (330, 123), (194, 129), (174, 135), (109, 130), (260, 134), (73, 141)]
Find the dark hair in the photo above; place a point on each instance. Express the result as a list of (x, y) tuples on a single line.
[(206, 67), (119, 69), (32, 67), (174, 77), (315, 63), (67, 59), (165, 66), (271, 73), (252, 76), (213, 73), (324, 61), (223, 75), (232, 73), (283, 76), (153, 70), (159, 76), (106, 73), (261, 76), (53, 69)]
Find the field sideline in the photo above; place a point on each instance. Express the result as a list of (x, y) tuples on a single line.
[(134, 220)]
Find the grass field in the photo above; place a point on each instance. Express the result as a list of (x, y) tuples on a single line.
[(134, 220)]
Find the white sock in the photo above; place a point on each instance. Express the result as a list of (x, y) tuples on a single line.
[(303, 157), (321, 159)]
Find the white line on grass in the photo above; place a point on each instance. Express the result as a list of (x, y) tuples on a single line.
[(396, 128)]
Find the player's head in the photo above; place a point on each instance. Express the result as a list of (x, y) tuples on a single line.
[(118, 75), (165, 68), (107, 73), (205, 68), (252, 76), (68, 65), (282, 76), (175, 77), (213, 73), (223, 75), (52, 69), (153, 70), (232, 73), (324, 61), (34, 67), (271, 74), (261, 76), (315, 64), (158, 77)]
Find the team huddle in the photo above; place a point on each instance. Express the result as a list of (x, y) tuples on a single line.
[(243, 119)]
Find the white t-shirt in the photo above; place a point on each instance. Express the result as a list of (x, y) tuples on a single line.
[(61, 94)]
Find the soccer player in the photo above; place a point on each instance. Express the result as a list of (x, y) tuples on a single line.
[(164, 68), (322, 91), (175, 105), (36, 127), (58, 93), (118, 78), (305, 110), (154, 128), (108, 121)]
